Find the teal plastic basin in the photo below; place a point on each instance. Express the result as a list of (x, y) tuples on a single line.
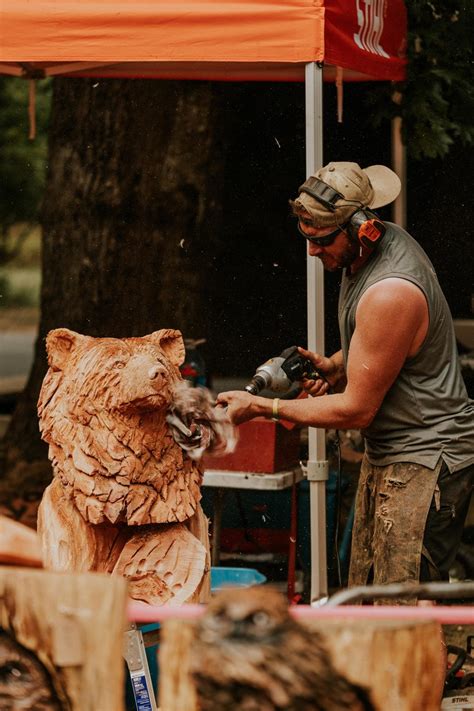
[(235, 577)]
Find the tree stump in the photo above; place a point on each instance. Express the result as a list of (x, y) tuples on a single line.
[(68, 629), (396, 661), (176, 687)]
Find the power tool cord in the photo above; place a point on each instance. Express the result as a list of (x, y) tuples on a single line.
[(338, 495), (338, 508)]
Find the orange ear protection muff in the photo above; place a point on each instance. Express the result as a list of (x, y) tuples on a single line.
[(367, 228), (364, 225)]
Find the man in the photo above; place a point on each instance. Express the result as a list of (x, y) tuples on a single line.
[(396, 378)]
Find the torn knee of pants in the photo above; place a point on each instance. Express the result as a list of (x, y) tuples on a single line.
[(395, 483)]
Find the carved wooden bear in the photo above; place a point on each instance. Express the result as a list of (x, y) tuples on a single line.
[(125, 497)]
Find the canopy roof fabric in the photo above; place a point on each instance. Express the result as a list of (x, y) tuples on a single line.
[(213, 39)]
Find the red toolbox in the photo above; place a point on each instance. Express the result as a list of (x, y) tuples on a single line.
[(264, 446)]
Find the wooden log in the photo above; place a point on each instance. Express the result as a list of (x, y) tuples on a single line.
[(19, 544), (74, 624), (396, 661), (176, 688)]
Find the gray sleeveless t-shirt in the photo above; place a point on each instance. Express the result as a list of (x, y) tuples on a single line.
[(426, 413)]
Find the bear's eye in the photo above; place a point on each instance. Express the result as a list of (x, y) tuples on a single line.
[(119, 364)]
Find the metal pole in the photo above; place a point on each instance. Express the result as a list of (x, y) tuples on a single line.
[(218, 505), (399, 209), (317, 467)]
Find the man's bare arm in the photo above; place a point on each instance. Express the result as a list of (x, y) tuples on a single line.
[(391, 323)]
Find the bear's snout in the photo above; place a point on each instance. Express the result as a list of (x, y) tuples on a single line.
[(154, 371)]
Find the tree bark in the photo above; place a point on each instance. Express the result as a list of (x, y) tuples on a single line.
[(131, 213)]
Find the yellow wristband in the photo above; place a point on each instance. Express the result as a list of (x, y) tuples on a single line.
[(275, 415)]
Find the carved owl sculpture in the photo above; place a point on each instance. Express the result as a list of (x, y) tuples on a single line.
[(25, 684), (250, 655)]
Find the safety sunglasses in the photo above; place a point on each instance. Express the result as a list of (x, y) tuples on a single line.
[(320, 241)]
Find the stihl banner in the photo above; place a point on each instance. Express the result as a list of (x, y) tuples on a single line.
[(368, 36)]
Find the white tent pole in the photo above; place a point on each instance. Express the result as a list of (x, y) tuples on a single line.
[(317, 471)]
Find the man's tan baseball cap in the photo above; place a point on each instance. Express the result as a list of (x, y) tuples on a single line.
[(371, 187)]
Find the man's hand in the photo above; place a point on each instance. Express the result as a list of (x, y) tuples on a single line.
[(326, 367), (241, 406)]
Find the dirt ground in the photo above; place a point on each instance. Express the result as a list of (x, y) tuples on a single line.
[(458, 634), (19, 319)]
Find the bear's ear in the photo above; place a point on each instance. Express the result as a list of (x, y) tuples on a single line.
[(171, 343), (60, 343)]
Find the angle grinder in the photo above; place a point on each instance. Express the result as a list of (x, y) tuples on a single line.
[(283, 374)]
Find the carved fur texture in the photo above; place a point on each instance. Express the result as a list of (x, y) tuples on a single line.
[(120, 479), (250, 655), (102, 409)]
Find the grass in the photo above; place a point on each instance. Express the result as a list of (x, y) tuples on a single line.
[(19, 287), (27, 238)]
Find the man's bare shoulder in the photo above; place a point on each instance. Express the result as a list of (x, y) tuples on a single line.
[(393, 290), (394, 310)]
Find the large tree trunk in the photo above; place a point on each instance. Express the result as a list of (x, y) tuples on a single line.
[(131, 213)]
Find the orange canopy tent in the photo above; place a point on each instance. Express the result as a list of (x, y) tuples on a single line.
[(269, 40), (217, 39)]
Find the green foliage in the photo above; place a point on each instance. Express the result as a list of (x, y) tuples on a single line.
[(19, 288), (436, 102), (22, 161)]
